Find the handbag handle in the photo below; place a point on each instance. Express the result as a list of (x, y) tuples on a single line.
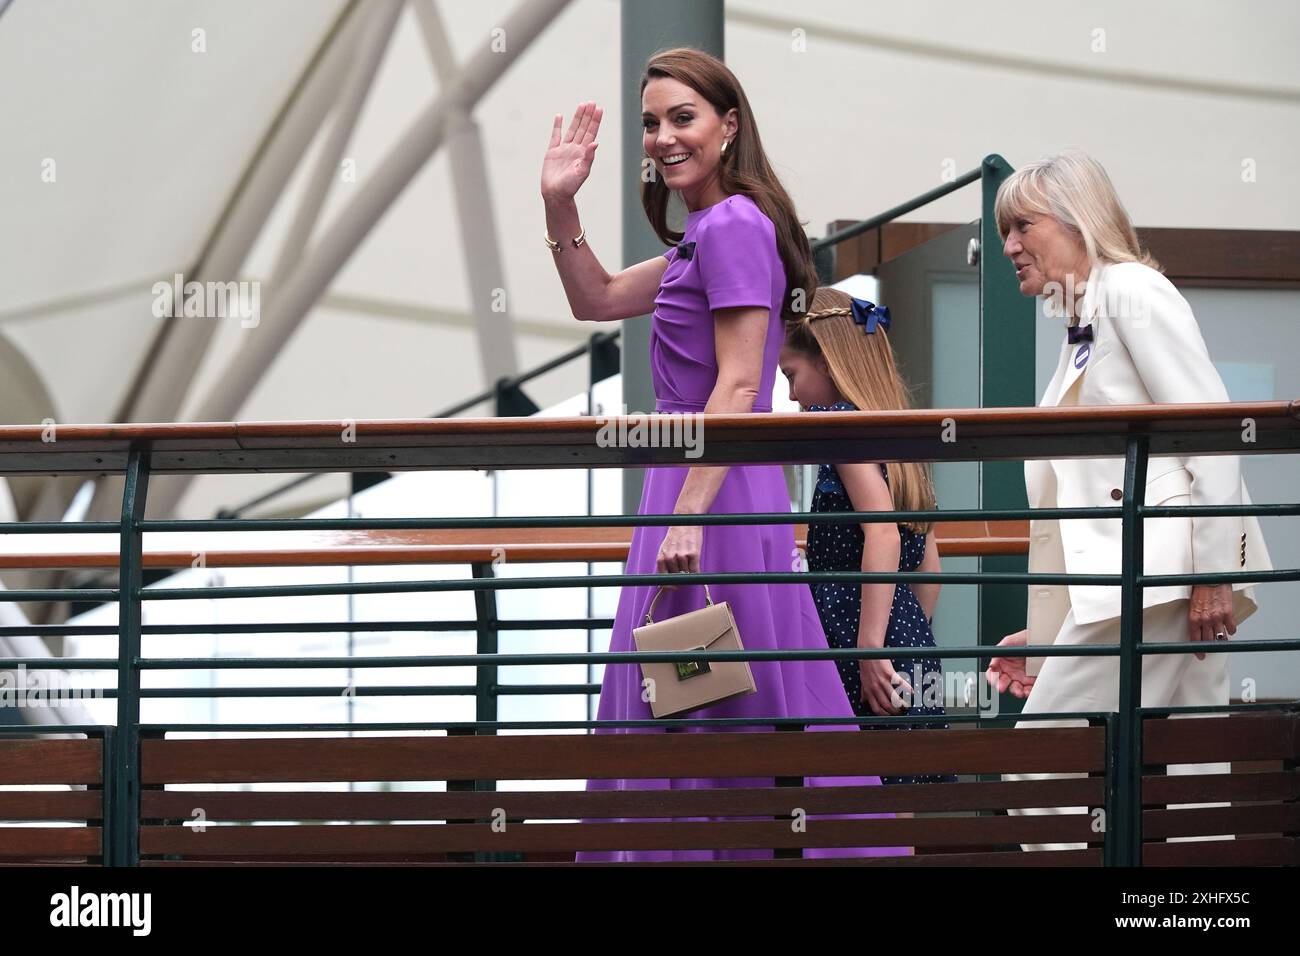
[(655, 600)]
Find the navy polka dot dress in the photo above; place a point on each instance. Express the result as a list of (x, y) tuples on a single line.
[(838, 547)]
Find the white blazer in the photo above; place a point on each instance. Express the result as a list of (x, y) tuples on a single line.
[(1146, 348)]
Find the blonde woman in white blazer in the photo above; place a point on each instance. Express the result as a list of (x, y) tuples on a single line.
[(1130, 339)]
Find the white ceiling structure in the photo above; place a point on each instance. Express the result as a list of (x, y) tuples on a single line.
[(145, 138)]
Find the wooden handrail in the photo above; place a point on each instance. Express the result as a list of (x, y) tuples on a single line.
[(242, 549), (959, 434)]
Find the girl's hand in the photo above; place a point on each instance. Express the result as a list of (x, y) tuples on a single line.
[(680, 550), (1008, 673), (881, 686), (567, 162), (1210, 613)]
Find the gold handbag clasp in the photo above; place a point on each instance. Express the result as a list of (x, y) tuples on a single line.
[(688, 669)]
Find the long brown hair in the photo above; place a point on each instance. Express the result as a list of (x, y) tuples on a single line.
[(743, 170), (863, 369)]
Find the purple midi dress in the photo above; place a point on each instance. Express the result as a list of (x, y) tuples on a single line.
[(728, 257)]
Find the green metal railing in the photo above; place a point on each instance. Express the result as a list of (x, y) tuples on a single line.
[(1122, 839)]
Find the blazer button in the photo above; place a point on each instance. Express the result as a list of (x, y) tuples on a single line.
[(1116, 494)]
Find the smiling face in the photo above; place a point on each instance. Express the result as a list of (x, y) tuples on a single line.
[(1042, 250), (809, 377), (683, 135)]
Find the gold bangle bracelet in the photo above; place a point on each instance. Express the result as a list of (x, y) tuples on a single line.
[(554, 244)]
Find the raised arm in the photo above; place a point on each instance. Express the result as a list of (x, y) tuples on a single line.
[(594, 294)]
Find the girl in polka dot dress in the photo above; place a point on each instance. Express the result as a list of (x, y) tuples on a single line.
[(837, 358)]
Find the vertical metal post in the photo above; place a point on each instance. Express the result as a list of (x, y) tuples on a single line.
[(512, 401), (603, 358), (485, 683), (461, 786), (125, 784), (106, 797), (788, 852), (1006, 381), (824, 261), (1128, 761), (1111, 723), (485, 675), (485, 700), (646, 28)]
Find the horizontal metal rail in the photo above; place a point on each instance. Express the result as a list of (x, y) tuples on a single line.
[(1138, 437)]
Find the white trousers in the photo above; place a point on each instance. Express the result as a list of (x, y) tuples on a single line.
[(1092, 684)]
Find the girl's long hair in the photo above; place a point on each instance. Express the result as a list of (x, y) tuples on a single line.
[(743, 170), (863, 369)]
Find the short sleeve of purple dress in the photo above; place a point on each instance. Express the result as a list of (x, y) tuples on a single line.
[(727, 258)]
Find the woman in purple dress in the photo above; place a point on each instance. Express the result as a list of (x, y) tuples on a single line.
[(718, 297)]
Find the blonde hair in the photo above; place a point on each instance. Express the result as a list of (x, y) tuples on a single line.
[(1074, 189), (863, 369)]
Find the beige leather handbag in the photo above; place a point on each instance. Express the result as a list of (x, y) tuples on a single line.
[(678, 686)]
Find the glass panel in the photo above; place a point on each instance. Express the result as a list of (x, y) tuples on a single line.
[(1253, 337)]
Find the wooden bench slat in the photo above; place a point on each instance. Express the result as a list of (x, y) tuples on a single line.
[(72, 861), (1272, 819), (52, 805), (629, 756), (1227, 738), (313, 839), (48, 842), (1208, 788), (51, 761), (1268, 851), (542, 804)]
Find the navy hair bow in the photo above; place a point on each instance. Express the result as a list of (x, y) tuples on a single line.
[(869, 315), (686, 250)]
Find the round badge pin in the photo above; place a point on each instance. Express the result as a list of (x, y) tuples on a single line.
[(1081, 356)]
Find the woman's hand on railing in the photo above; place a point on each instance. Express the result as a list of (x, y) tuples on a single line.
[(567, 162), (881, 686), (1008, 673), (680, 551), (1210, 614)]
